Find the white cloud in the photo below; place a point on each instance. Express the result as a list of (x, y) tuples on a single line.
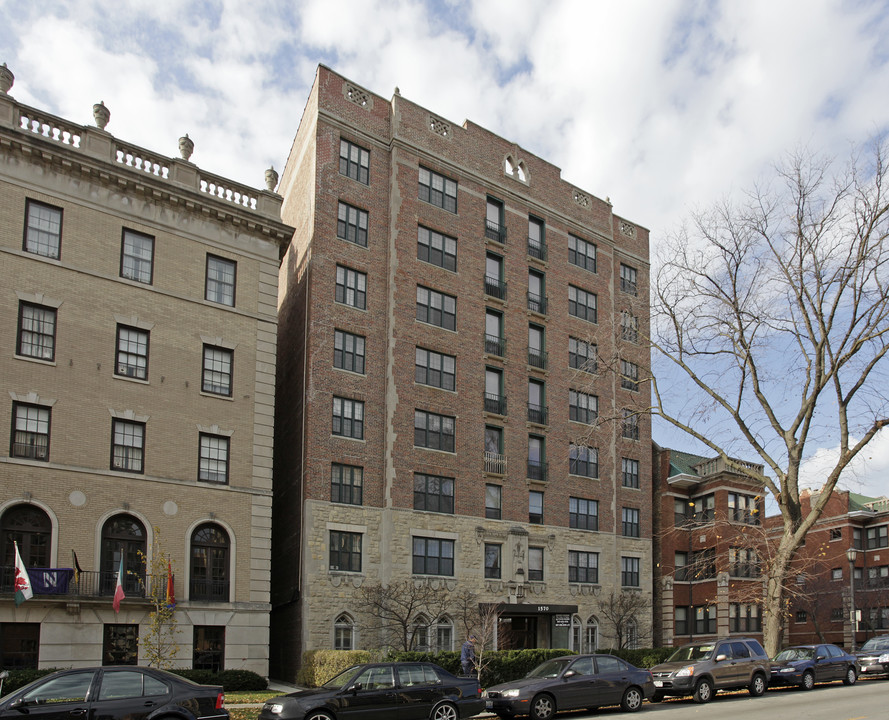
[(867, 474)]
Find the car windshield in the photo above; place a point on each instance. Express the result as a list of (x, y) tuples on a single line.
[(550, 669), (341, 680), (692, 652), (796, 653), (880, 643)]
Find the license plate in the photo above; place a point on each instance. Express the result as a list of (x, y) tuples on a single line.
[(658, 683), (489, 705)]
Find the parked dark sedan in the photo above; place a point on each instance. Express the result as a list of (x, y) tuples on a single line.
[(873, 656), (804, 665), (382, 691), (571, 683), (115, 693)]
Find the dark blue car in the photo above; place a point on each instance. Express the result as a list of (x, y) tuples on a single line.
[(805, 665)]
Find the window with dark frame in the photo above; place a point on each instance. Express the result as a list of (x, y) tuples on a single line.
[(354, 162), (582, 304), (583, 460), (438, 190), (351, 287), (535, 507), (208, 648), (583, 567), (43, 229), (629, 327), (433, 431), (436, 308), (627, 279), (137, 256), (535, 564), (583, 407), (132, 353), (346, 484), (493, 501), (629, 428), (351, 224), (120, 644), (494, 228), (743, 508), (537, 238), (433, 493), (583, 514), (127, 446), (581, 253), (210, 560), (221, 277), (348, 418), (492, 560), (19, 645), (630, 522), (705, 619), (216, 371), (37, 332), (582, 355), (345, 551), (537, 292), (630, 472), (435, 369), (437, 249), (433, 556), (213, 462), (348, 351), (629, 572), (629, 376)]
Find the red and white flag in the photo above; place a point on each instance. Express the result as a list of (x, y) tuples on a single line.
[(118, 591), (22, 584)]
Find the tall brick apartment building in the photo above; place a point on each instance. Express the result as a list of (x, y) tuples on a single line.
[(138, 310), (459, 382)]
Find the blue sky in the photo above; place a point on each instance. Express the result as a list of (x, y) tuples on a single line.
[(661, 105)]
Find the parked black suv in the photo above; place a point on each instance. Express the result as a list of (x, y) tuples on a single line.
[(701, 668)]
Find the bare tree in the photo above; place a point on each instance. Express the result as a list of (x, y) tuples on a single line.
[(402, 613), (623, 611), (481, 620), (771, 319)]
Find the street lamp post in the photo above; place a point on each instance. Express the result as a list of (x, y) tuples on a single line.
[(851, 554)]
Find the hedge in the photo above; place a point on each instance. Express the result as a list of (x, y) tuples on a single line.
[(22, 676), (319, 666), (231, 680)]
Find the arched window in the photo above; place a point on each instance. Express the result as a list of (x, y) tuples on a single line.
[(344, 632), (420, 634), (576, 641), (209, 564), (444, 634), (632, 635), (122, 536), (31, 528), (592, 634)]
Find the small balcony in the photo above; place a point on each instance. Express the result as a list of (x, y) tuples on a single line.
[(67, 583), (538, 414), (495, 345), (495, 404), (538, 470), (495, 231), (495, 463), (208, 590), (495, 288), (538, 358), (537, 249), (537, 303)]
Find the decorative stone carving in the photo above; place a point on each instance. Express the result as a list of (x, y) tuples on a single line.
[(101, 114), (581, 198), (271, 179), (186, 147), (6, 79), (358, 96), (439, 126), (627, 229), (584, 589)]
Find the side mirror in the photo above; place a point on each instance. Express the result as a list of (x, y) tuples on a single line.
[(354, 688), (820, 657), (720, 658), (19, 704), (569, 674)]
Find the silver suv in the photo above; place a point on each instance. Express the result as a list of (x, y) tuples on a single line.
[(701, 668)]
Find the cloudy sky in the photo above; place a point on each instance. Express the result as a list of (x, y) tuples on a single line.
[(664, 106)]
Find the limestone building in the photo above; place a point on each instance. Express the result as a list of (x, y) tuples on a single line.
[(138, 306), (461, 388)]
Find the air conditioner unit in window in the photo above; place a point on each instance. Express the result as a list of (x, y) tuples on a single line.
[(120, 464), (128, 370)]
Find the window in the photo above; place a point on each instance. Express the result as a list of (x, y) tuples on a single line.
[(837, 614), (29, 527), (346, 484), (702, 564), (444, 636), (345, 551), (877, 576), (703, 509), (537, 410), (348, 351), (629, 327), (43, 229), (351, 224), (582, 304), (536, 238), (630, 522), (836, 534), (494, 228), (436, 308), (535, 507), (221, 275), (629, 376), (123, 538), (583, 567), (536, 343), (210, 557), (705, 619), (348, 418), (493, 439), (629, 572), (493, 502), (127, 446), (351, 287), (537, 467), (583, 460), (857, 540), (495, 344), (132, 353), (120, 644), (581, 253), (583, 514), (495, 400), (680, 566), (437, 249), (19, 645), (627, 279), (743, 509), (433, 431), (492, 560), (836, 574), (582, 407), (537, 292), (37, 331), (433, 556), (535, 564), (743, 562), (208, 648), (30, 433), (433, 493), (877, 537), (494, 283), (802, 616), (213, 463), (435, 369), (680, 622), (582, 355), (216, 373), (438, 190), (630, 472), (354, 162), (137, 257), (629, 428), (344, 632)]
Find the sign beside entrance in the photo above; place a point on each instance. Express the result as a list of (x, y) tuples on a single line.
[(562, 621)]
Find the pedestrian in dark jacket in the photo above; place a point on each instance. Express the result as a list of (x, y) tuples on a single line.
[(467, 656)]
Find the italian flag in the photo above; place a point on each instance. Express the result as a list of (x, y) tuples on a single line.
[(22, 585), (118, 591)]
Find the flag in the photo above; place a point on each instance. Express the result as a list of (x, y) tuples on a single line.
[(77, 569), (22, 585), (171, 597), (118, 591)]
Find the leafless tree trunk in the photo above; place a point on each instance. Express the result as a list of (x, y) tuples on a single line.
[(622, 611), (400, 611)]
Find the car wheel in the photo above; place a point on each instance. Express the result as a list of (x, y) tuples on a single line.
[(657, 697), (317, 715), (703, 691), (850, 677), (445, 711), (757, 685), (543, 707), (632, 700), (808, 680)]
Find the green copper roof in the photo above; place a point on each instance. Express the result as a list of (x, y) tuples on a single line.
[(857, 502), (682, 463)]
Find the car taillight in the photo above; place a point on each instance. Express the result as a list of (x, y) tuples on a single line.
[(220, 701), (478, 690)]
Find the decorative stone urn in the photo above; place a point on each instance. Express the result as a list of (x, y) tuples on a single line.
[(186, 147), (101, 114), (6, 79), (271, 179)]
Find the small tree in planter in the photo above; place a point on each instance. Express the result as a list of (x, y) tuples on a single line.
[(159, 645)]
